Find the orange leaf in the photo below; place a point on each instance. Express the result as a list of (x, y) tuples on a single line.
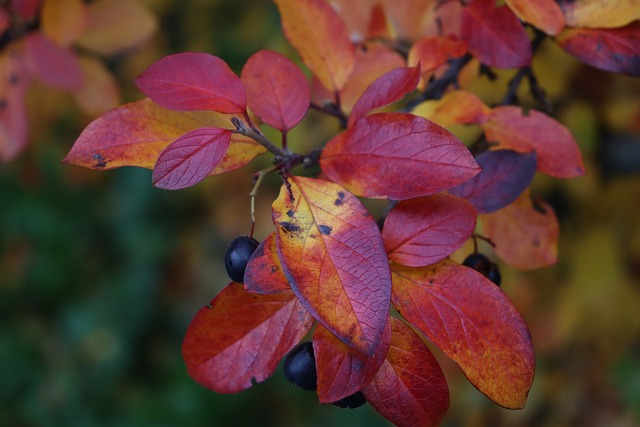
[(13, 116), (263, 274), (332, 253), (457, 107), (543, 14), (63, 20), (100, 92), (432, 52), (600, 13), (526, 236), (408, 18), (615, 50), (343, 371), (116, 25), (240, 337), (557, 151), (136, 133), (357, 15), (473, 322), (321, 39), (409, 389)]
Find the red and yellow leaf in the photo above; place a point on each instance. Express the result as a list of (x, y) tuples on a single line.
[(425, 230), (332, 253), (473, 322), (343, 371), (114, 26), (277, 91), (51, 64), (264, 274), (505, 175), (526, 236), (495, 35), (616, 50), (557, 151), (600, 13), (190, 158), (240, 338), (136, 133), (397, 156), (100, 92), (63, 20), (433, 52), (321, 39), (193, 81), (455, 108), (409, 389), (14, 82), (389, 87), (543, 14)]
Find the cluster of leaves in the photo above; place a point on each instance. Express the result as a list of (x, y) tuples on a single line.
[(59, 43), (328, 263)]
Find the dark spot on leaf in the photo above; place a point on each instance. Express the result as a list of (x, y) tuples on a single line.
[(273, 269), (3, 104), (101, 162), (208, 306), (290, 213), (325, 229), (536, 242), (366, 214), (338, 202), (431, 281), (14, 79), (340, 195), (313, 236), (292, 228)]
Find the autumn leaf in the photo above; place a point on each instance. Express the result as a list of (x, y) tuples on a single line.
[(13, 116), (193, 81), (600, 13), (557, 151), (136, 133), (62, 21), (397, 156), (433, 52), (51, 64), (334, 258), (321, 39), (26, 9), (100, 92), (543, 14), (277, 91), (473, 322), (343, 371), (425, 230), (526, 236), (264, 274), (240, 338), (389, 87), (615, 50), (495, 35), (409, 389), (407, 18), (505, 175), (455, 108), (358, 16)]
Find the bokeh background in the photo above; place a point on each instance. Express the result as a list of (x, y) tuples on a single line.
[(100, 273)]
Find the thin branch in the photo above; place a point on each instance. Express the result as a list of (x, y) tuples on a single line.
[(332, 110), (257, 136), (257, 181)]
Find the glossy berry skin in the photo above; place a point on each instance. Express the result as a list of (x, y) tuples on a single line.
[(483, 265), (300, 367), (237, 256), (350, 402)]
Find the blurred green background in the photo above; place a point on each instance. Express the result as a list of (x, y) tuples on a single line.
[(100, 273)]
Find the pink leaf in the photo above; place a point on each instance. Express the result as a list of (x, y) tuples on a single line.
[(51, 64), (13, 116), (193, 81), (190, 158), (264, 274)]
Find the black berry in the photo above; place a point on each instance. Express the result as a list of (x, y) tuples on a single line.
[(237, 256), (483, 265), (350, 402), (300, 367)]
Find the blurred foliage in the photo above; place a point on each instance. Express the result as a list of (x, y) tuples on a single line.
[(100, 273)]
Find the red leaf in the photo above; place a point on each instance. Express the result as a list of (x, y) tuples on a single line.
[(432, 52), (240, 338), (277, 91), (321, 39), (494, 35), (389, 87), (526, 236), (27, 9), (543, 14), (333, 255), (397, 156), (557, 150), (505, 175), (51, 64), (263, 274), (13, 116), (473, 322), (193, 81), (190, 158), (616, 50), (343, 371), (135, 134), (425, 230), (410, 389)]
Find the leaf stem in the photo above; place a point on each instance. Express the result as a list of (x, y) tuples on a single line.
[(255, 134), (332, 110)]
